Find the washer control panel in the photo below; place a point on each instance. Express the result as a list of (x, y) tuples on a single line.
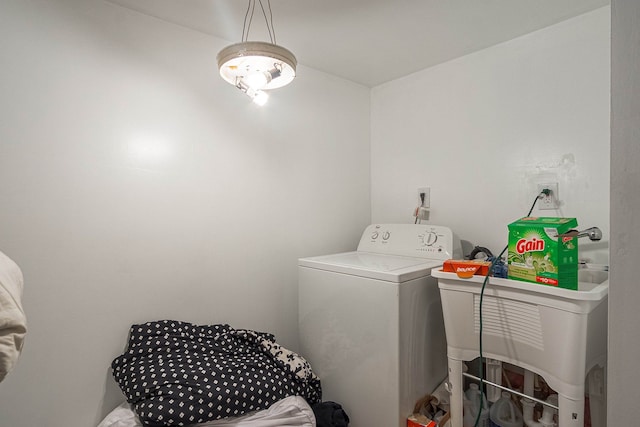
[(415, 240)]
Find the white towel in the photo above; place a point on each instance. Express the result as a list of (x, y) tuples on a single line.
[(13, 322), (292, 411)]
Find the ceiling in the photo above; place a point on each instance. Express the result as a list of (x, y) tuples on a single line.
[(371, 41)]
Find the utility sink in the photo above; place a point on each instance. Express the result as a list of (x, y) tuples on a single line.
[(560, 334)]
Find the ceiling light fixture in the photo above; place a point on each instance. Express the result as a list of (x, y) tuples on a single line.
[(254, 66)]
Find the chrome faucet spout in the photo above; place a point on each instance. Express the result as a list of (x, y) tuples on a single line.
[(594, 234)]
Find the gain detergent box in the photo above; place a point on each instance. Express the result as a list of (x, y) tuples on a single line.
[(539, 253)]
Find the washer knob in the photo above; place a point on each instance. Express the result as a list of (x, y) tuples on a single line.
[(430, 238), (386, 235), (374, 236)]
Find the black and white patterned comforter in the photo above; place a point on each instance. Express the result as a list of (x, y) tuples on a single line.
[(176, 373)]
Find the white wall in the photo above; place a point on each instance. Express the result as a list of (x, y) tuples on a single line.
[(624, 294), (482, 130), (106, 239), (204, 227)]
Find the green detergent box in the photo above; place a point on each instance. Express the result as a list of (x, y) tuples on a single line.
[(539, 253)]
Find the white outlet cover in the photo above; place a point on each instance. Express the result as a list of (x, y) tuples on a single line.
[(552, 201), (427, 196)]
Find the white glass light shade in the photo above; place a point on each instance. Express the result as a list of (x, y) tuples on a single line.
[(241, 60)]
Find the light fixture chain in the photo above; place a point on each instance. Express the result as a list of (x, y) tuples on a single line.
[(248, 19), (266, 20), (246, 27), (273, 29)]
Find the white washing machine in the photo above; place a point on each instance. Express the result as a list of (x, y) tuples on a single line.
[(371, 322)]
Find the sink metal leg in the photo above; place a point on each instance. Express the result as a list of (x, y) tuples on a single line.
[(455, 383), (570, 412), (529, 380)]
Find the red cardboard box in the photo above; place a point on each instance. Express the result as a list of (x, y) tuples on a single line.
[(418, 420), (466, 268)]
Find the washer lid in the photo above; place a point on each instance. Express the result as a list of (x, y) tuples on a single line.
[(390, 268)]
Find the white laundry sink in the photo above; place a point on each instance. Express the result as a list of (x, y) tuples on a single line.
[(560, 334)]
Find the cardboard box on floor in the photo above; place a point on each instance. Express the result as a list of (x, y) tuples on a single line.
[(418, 420), (430, 405)]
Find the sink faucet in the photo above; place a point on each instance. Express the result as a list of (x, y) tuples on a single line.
[(594, 234)]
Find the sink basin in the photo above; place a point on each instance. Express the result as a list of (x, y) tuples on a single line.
[(560, 334), (588, 275)]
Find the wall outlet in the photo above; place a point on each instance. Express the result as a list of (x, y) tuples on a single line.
[(427, 197), (550, 201)]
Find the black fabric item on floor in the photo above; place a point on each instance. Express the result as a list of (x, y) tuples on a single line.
[(330, 414), (176, 373)]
